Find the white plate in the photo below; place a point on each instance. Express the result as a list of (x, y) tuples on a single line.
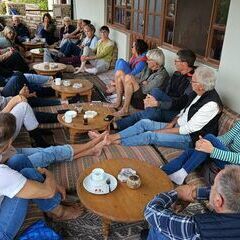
[(71, 113), (94, 188), (90, 114)]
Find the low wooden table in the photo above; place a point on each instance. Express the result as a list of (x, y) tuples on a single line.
[(96, 123), (65, 92), (36, 54), (39, 68), (30, 45), (124, 204)]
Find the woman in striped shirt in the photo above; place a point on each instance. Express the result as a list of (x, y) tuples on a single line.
[(222, 150)]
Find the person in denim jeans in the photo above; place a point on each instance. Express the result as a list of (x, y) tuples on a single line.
[(200, 116), (21, 182), (162, 104), (220, 150)]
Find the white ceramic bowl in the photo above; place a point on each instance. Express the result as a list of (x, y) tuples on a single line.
[(90, 114), (71, 113), (66, 83)]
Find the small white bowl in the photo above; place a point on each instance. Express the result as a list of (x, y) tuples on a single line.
[(90, 114), (77, 85), (71, 113), (66, 83)]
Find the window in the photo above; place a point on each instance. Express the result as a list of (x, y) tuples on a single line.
[(198, 25)]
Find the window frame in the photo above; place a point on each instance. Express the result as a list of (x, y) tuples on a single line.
[(213, 26)]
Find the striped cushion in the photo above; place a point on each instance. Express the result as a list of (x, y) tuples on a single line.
[(34, 214), (23, 139), (227, 120)]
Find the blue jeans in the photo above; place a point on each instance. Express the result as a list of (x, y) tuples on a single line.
[(153, 113), (70, 49), (13, 210), (191, 158), (160, 95), (142, 133), (123, 65), (36, 79), (16, 82), (155, 235), (43, 157)]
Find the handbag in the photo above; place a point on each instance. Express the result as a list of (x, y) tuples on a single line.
[(39, 230)]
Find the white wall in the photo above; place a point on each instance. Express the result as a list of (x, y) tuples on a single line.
[(91, 9), (229, 69)]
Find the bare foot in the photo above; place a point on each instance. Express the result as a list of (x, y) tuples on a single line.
[(63, 213), (110, 89), (111, 105), (79, 69), (120, 113), (97, 150), (94, 134)]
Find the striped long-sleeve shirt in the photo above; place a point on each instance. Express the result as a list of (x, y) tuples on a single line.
[(232, 140)]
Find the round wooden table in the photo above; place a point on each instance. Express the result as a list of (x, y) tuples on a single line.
[(70, 91), (96, 123), (36, 53), (32, 44), (39, 68), (124, 204)]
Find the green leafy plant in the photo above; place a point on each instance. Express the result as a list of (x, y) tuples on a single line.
[(43, 4), (2, 8)]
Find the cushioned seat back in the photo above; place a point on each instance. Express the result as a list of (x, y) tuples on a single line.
[(227, 120), (114, 56)]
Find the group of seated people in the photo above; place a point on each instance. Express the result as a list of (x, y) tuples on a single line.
[(181, 111)]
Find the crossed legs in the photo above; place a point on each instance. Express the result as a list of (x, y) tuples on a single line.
[(127, 85)]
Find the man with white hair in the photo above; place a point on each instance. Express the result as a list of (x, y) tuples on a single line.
[(199, 117), (21, 30), (135, 89), (161, 104), (222, 224)]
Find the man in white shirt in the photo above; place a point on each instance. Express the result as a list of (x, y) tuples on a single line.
[(199, 117), (18, 186)]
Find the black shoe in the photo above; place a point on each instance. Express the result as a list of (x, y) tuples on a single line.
[(144, 234)]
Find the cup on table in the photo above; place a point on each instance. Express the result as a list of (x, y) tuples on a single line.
[(46, 65), (98, 174), (58, 81), (67, 118), (66, 83), (43, 40)]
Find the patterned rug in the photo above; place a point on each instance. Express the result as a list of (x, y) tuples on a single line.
[(89, 227)]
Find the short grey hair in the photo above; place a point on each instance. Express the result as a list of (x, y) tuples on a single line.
[(157, 56), (206, 77), (8, 29), (66, 19), (229, 187), (15, 17)]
